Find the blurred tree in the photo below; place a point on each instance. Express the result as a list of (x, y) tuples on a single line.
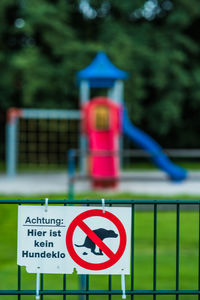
[(51, 56), (158, 43), (8, 45), (44, 43)]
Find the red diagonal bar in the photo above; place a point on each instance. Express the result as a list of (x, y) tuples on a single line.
[(96, 239)]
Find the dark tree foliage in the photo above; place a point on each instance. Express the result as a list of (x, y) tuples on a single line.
[(45, 42)]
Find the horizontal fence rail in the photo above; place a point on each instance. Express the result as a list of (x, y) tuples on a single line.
[(141, 222), (175, 153)]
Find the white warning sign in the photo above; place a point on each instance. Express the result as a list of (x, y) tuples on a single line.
[(88, 239)]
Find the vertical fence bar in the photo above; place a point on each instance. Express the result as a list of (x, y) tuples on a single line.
[(64, 286), (110, 278), (109, 286), (82, 279), (42, 284), (64, 280), (155, 251), (177, 246), (87, 286), (199, 256), (19, 282), (86, 278), (132, 250)]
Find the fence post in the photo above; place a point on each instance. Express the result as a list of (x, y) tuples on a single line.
[(84, 98), (71, 173), (11, 141)]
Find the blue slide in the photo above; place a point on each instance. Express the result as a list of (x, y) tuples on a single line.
[(144, 141)]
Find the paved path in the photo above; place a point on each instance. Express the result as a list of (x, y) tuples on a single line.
[(153, 182)]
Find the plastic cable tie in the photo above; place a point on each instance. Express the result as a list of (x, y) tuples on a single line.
[(103, 204), (46, 204)]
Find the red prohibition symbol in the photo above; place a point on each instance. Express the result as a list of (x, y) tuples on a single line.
[(79, 222)]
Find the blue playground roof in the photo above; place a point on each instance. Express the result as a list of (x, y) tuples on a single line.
[(101, 72)]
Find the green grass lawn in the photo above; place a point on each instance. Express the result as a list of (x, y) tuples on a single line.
[(143, 259)]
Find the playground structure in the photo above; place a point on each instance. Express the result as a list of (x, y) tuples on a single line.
[(102, 124), (101, 73)]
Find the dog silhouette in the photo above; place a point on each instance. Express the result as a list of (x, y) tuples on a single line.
[(102, 234)]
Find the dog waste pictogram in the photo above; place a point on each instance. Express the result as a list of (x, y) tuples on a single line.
[(95, 240)]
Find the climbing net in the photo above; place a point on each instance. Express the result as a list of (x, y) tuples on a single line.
[(41, 137), (46, 141)]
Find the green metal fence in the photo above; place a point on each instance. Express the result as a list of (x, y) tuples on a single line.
[(157, 226)]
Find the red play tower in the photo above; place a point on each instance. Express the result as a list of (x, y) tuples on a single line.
[(102, 124)]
